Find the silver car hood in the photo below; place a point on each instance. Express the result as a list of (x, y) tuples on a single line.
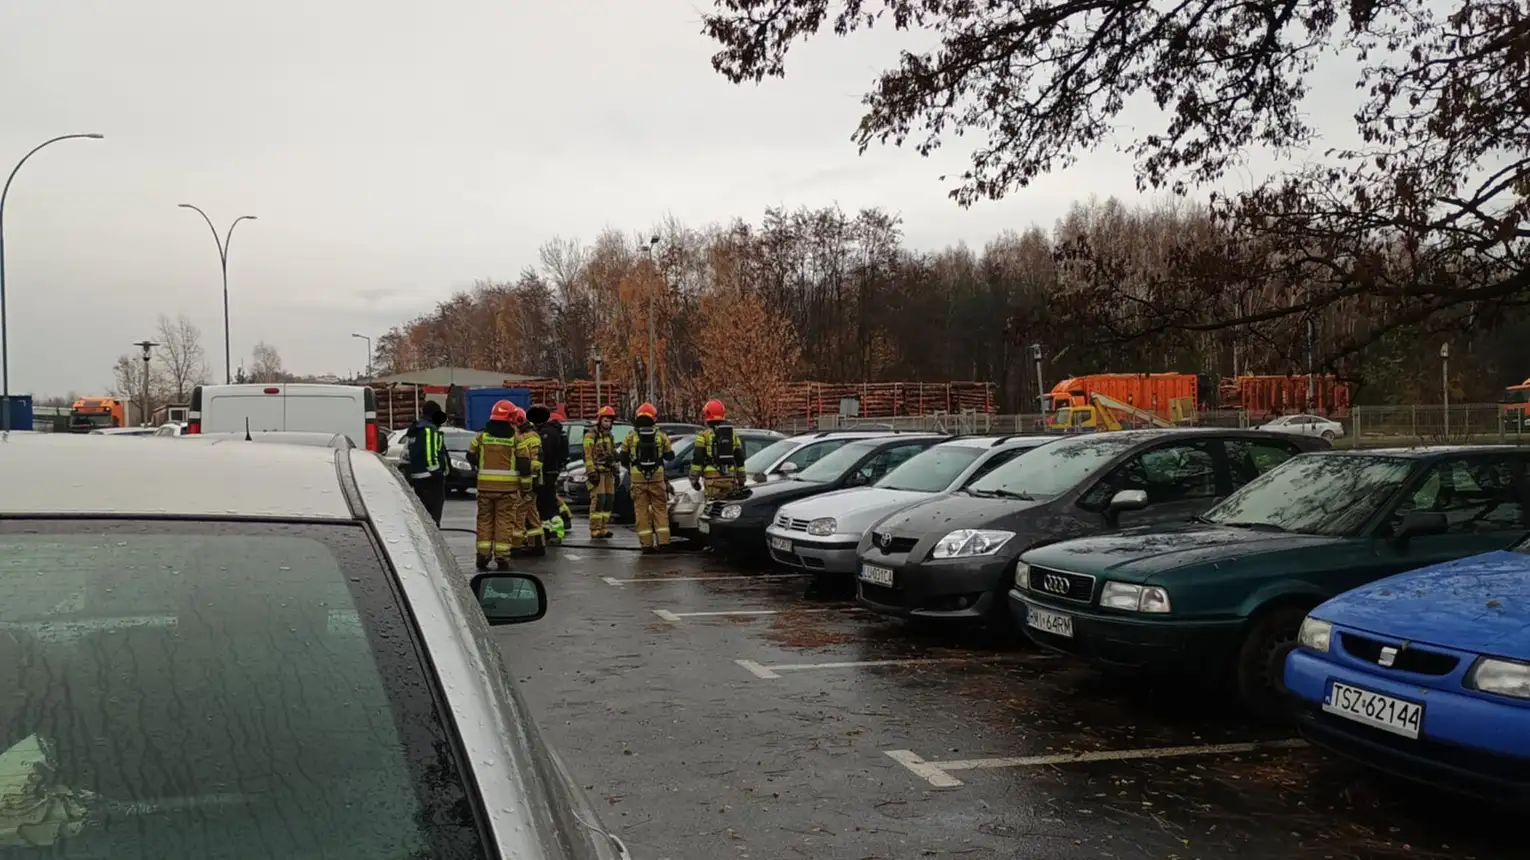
[(855, 509)]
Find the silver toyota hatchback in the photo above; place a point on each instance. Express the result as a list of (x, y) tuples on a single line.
[(236, 652)]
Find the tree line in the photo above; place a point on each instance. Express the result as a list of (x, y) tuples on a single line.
[(177, 364), (820, 294)]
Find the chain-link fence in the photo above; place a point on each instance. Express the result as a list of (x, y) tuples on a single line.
[(1365, 426)]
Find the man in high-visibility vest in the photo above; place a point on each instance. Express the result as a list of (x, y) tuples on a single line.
[(600, 471), (644, 452), (428, 464), (493, 452), (718, 461), (528, 468)]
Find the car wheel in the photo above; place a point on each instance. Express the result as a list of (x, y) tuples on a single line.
[(1328, 434), (1272, 633)]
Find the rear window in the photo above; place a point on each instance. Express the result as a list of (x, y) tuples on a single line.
[(216, 690), (931, 471)]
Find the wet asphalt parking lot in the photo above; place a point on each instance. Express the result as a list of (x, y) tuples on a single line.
[(714, 712)]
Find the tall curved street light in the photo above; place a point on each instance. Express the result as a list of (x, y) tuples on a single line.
[(5, 341), (228, 358)]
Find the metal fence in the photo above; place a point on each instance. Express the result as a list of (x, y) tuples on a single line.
[(1366, 426)]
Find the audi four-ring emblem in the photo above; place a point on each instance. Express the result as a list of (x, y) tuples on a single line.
[(1055, 584)]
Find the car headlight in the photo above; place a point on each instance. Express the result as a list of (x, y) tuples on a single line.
[(967, 543), (1315, 634), (461, 466), (730, 512), (822, 527), (1134, 598), (1022, 576), (577, 479), (1501, 677)]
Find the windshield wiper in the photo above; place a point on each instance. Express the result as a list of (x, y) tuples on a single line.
[(1263, 527), (1003, 494)]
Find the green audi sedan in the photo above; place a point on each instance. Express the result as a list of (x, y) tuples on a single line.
[(1218, 597)]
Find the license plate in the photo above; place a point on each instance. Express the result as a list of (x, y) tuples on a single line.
[(1374, 709), (781, 544), (703, 526), (877, 575), (1048, 621)]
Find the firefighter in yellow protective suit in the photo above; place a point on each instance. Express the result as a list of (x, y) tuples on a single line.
[(600, 471), (644, 452), (492, 452), (718, 461), (528, 468)]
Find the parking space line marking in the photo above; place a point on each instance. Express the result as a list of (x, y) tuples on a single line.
[(611, 580), (931, 773), (770, 672), (758, 670), (676, 616), (937, 772)]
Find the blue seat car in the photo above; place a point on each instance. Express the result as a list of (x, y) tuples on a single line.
[(1425, 675)]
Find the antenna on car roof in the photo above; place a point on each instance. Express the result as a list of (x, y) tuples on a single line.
[(247, 429)]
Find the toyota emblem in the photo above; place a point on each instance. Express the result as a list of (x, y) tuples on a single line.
[(1055, 584)]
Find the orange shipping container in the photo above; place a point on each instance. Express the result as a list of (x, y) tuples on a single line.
[(1261, 396), (1151, 391)]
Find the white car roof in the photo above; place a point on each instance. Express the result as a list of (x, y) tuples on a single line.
[(170, 479)]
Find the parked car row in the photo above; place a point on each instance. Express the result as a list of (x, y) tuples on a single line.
[(1256, 563)]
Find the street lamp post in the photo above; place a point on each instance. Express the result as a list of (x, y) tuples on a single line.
[(369, 353), (1445, 384), (5, 342), (653, 395), (228, 362), (598, 401), (145, 345)]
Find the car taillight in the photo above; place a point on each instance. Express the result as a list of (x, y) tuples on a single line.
[(194, 424), (372, 435)]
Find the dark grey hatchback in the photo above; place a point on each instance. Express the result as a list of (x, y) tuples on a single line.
[(950, 558)]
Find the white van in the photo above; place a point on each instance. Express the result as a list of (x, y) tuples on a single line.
[(288, 406)]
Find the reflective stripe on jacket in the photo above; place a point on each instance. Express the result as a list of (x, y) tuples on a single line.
[(431, 443), (599, 448), (528, 455), (496, 461), (705, 451), (630, 449)]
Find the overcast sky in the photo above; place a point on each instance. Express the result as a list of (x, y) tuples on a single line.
[(394, 152)]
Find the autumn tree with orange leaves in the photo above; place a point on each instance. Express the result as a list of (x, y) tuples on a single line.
[(747, 356)]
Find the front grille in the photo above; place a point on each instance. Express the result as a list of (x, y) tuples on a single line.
[(1408, 659), (714, 509), (890, 543), (1057, 583), (785, 522)]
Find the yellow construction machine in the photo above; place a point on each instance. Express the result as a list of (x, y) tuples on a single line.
[(1108, 413)]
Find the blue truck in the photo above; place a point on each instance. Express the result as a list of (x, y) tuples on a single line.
[(478, 402)]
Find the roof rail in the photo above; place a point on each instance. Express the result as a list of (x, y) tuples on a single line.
[(1002, 439)]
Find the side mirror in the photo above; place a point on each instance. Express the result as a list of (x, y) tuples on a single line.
[(510, 598), (787, 468), (1127, 500), (1418, 524)]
